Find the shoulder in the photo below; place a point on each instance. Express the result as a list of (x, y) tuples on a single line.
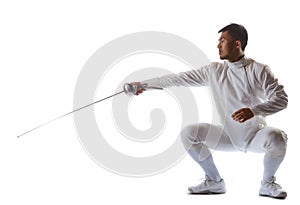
[(256, 67), (255, 64), (217, 66), (259, 70)]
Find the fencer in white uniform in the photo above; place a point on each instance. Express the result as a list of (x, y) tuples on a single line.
[(244, 92)]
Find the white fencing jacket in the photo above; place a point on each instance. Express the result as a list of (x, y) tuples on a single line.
[(235, 85)]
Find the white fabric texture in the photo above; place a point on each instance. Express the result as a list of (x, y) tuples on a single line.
[(242, 84), (245, 83)]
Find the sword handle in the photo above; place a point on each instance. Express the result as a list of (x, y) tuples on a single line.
[(134, 88)]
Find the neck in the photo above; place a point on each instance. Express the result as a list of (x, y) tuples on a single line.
[(236, 58)]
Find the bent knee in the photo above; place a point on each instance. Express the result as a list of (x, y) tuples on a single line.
[(188, 135), (277, 138), (193, 133), (277, 142)]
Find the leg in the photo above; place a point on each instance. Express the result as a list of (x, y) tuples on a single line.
[(198, 139), (272, 142)]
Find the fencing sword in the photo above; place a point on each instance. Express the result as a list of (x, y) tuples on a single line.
[(128, 88)]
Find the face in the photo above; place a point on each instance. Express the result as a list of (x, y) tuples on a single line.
[(226, 46)]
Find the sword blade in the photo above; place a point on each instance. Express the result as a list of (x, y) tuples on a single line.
[(118, 93)]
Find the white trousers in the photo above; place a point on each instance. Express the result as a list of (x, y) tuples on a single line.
[(199, 139)]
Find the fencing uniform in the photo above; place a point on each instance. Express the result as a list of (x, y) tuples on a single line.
[(234, 85)]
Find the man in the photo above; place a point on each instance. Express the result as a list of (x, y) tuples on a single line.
[(244, 92)]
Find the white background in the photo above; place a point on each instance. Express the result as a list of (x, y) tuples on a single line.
[(43, 47)]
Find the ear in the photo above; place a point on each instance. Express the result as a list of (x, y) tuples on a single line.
[(238, 44)]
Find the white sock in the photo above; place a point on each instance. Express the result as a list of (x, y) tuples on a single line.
[(203, 157)]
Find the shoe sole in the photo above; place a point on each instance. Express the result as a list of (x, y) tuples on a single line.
[(206, 192), (274, 197)]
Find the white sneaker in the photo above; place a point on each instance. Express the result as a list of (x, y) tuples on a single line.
[(208, 187), (271, 189)]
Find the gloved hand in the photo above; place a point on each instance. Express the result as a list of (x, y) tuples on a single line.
[(134, 88)]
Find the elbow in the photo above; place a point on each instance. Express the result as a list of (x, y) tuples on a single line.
[(286, 104), (282, 100), (285, 100), (282, 103)]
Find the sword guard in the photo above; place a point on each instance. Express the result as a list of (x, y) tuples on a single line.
[(133, 88)]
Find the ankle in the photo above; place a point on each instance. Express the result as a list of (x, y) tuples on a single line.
[(268, 180)]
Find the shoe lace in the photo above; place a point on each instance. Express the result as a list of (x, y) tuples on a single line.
[(205, 181), (274, 186)]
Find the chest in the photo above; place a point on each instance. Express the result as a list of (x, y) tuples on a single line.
[(236, 85)]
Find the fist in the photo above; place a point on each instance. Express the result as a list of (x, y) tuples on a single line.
[(242, 115), (134, 88)]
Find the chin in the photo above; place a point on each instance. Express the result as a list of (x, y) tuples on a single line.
[(224, 57)]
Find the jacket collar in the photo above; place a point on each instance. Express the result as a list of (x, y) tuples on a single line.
[(238, 64)]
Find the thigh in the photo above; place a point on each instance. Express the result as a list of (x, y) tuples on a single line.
[(213, 136)]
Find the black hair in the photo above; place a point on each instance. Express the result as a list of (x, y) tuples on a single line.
[(237, 32)]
